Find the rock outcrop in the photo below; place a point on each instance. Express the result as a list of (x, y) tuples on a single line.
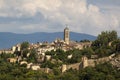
[(116, 61)]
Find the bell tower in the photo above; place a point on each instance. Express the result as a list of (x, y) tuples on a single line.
[(66, 35)]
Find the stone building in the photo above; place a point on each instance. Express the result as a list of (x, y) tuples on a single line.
[(66, 35), (64, 68)]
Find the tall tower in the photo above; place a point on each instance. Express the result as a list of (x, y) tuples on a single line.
[(66, 35)]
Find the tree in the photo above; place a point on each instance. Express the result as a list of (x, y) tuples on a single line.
[(104, 38), (88, 52), (25, 52), (85, 40), (118, 47), (33, 56), (102, 45), (76, 56), (70, 75), (56, 71), (24, 45)]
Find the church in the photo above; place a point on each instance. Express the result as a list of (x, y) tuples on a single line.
[(66, 35), (67, 44)]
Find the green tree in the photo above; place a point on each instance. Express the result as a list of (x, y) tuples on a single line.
[(25, 52), (88, 52), (85, 40), (104, 38), (24, 45), (33, 56)]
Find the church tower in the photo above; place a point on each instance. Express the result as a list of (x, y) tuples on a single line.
[(66, 35)]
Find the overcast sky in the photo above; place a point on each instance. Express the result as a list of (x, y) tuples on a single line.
[(82, 16)]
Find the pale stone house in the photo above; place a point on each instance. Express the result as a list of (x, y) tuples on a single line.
[(12, 60)]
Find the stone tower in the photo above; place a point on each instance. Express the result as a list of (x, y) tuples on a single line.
[(84, 62), (66, 35), (64, 68)]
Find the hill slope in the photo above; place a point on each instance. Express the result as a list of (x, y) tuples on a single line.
[(9, 39)]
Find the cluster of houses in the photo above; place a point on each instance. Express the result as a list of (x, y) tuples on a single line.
[(42, 48)]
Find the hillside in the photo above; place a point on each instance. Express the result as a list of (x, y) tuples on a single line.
[(9, 39)]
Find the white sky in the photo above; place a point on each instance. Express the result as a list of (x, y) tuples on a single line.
[(82, 16)]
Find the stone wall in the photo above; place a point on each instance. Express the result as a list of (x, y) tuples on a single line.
[(74, 66), (88, 62), (71, 66)]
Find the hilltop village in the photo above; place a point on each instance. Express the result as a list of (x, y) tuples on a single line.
[(63, 59), (64, 44), (42, 48), (41, 56)]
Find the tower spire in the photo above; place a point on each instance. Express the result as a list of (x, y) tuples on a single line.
[(66, 34)]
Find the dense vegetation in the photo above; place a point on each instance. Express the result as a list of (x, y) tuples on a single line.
[(106, 44), (11, 71)]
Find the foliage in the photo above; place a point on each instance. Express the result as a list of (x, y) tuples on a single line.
[(62, 56), (4, 56), (24, 45), (76, 56), (47, 64), (30, 55), (33, 56), (85, 40), (88, 52), (116, 45), (101, 47), (104, 38), (100, 72), (106, 43)]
